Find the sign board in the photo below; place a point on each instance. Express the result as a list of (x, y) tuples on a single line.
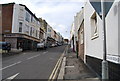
[(114, 59), (97, 6)]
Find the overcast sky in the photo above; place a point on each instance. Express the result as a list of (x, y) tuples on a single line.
[(58, 13)]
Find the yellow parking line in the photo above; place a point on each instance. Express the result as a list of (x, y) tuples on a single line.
[(55, 75), (54, 72)]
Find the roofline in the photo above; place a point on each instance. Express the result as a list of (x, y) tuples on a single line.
[(25, 8), (8, 3), (29, 11)]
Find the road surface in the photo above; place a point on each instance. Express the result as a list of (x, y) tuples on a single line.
[(31, 64)]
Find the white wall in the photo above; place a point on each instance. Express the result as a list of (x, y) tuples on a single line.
[(72, 30), (19, 16), (72, 33), (94, 47), (112, 24), (15, 26), (48, 32)]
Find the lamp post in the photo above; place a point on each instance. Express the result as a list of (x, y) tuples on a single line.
[(104, 62)]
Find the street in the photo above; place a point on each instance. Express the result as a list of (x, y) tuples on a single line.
[(31, 64), (59, 40)]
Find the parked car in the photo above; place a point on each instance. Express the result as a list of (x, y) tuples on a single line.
[(59, 44), (5, 46), (56, 45), (41, 45), (53, 45)]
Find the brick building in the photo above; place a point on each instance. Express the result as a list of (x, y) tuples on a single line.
[(20, 26)]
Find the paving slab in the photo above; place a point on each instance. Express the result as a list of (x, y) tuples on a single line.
[(76, 70)]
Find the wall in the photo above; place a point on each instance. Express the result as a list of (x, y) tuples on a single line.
[(19, 15), (94, 47), (112, 33), (81, 45), (72, 34), (12, 41), (0, 40), (7, 14), (49, 30), (1, 23)]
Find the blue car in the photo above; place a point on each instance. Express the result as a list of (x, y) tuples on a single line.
[(5, 46)]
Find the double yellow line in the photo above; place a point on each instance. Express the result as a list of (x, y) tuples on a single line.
[(54, 73)]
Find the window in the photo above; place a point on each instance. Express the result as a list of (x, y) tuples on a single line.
[(0, 13), (20, 26), (49, 30), (27, 29), (81, 37), (94, 27), (36, 33), (27, 18), (31, 31), (31, 18), (21, 13)]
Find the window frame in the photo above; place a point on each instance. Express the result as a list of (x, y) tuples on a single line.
[(20, 27), (94, 26), (81, 36), (27, 17)]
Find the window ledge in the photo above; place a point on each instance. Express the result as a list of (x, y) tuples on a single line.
[(94, 37)]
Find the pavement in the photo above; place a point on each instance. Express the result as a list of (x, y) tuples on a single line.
[(12, 51), (75, 69)]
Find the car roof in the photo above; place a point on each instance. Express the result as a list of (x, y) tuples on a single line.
[(3, 42)]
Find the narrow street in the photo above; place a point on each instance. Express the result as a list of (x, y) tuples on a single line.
[(31, 64), (56, 40)]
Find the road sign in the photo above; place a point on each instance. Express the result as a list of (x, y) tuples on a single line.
[(97, 6)]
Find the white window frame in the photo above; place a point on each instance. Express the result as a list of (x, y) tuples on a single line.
[(81, 37), (27, 17), (20, 27), (94, 26), (27, 29), (31, 30)]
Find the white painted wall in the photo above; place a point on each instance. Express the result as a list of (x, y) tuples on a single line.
[(72, 32), (77, 22), (112, 25), (48, 32), (15, 26), (94, 47), (19, 16)]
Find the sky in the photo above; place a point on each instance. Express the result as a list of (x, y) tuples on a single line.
[(59, 14)]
